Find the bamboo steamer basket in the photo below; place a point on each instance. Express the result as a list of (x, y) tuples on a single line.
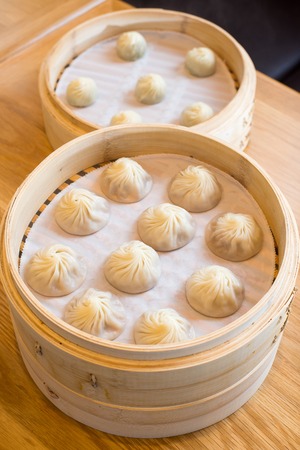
[(232, 123), (148, 391)]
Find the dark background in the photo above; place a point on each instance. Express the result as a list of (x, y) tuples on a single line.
[(268, 30)]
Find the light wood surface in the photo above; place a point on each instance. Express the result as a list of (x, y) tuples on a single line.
[(270, 419), (23, 22)]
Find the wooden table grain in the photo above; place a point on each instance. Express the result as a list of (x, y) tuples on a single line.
[(271, 418)]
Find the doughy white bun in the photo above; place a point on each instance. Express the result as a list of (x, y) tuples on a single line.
[(195, 189), (215, 291), (96, 312), (150, 89), (125, 181), (131, 45), (55, 270), (124, 117), (82, 212), (133, 268), (166, 227), (82, 92), (163, 326), (195, 113), (201, 62), (235, 237)]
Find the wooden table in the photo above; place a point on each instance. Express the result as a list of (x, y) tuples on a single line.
[(270, 419)]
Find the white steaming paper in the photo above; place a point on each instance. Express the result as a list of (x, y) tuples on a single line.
[(256, 273), (116, 80)]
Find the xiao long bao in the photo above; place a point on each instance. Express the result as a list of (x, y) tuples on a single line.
[(82, 212), (133, 268), (235, 237), (163, 326), (96, 312), (166, 227), (195, 189), (150, 89), (196, 113), (55, 270), (201, 62), (82, 92), (214, 291), (131, 45), (124, 117), (125, 181)]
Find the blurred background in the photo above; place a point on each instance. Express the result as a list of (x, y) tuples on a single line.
[(268, 30)]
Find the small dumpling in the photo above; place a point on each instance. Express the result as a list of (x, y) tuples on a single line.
[(133, 268), (196, 113), (55, 270), (82, 92), (201, 62), (96, 312), (195, 189), (125, 117), (215, 291), (166, 227), (131, 45), (163, 326), (125, 181), (150, 89), (82, 212), (235, 237)]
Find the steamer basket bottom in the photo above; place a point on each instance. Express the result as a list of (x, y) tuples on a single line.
[(148, 422)]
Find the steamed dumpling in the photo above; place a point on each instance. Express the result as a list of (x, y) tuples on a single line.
[(125, 181), (195, 189), (200, 62), (196, 113), (82, 212), (124, 117), (55, 270), (235, 237), (96, 312), (82, 92), (166, 227), (131, 45), (133, 268), (150, 89), (163, 326), (215, 291)]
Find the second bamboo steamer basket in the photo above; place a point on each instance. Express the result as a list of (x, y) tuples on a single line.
[(148, 391), (232, 123)]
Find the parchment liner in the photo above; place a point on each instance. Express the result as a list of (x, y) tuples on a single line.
[(257, 273), (116, 79)]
